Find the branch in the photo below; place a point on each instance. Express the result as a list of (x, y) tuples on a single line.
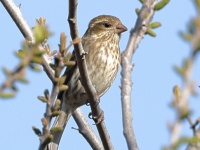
[(144, 18), (86, 130), (19, 20), (22, 25), (90, 90), (182, 96), (47, 136)]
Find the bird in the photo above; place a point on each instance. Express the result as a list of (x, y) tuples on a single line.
[(103, 57)]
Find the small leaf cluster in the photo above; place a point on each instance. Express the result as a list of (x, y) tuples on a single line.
[(160, 5), (62, 59), (30, 56)]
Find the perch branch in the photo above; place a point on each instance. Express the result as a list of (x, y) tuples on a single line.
[(85, 129), (93, 97)]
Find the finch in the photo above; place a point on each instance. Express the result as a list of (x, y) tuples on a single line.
[(101, 43)]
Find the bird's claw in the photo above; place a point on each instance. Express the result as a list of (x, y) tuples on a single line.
[(98, 119), (84, 54)]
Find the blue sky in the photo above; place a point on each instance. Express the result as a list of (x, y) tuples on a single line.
[(153, 76)]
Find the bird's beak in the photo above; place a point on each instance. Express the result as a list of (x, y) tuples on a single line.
[(120, 28)]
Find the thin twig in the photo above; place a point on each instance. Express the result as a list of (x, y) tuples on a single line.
[(144, 18), (15, 75), (90, 90), (48, 116)]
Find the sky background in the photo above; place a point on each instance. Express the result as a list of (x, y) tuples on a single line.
[(153, 76)]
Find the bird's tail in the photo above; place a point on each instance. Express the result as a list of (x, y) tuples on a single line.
[(60, 122)]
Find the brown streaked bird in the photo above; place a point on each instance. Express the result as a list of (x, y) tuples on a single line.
[(101, 42)]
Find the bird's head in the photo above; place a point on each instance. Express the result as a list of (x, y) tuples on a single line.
[(105, 25)]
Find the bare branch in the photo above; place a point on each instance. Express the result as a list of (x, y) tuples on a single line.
[(86, 130), (93, 97), (144, 18), (18, 18)]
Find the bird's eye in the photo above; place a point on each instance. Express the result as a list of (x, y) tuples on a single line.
[(107, 25)]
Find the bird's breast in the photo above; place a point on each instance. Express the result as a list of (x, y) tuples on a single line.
[(103, 60)]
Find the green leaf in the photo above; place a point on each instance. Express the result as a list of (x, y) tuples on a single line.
[(180, 71), (137, 10), (21, 53), (48, 139), (56, 129), (177, 92), (70, 63), (61, 80), (6, 71), (67, 57), (57, 105), (185, 36), (36, 131), (55, 113), (42, 98), (161, 4), (154, 25), (7, 95), (62, 44), (40, 33), (141, 1), (35, 67), (23, 80), (38, 53), (36, 59), (63, 87), (151, 33)]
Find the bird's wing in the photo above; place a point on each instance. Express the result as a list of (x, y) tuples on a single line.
[(68, 74)]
